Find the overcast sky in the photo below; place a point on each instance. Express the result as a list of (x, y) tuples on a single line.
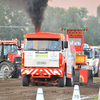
[(91, 5)]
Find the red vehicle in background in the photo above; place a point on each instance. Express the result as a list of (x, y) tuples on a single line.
[(9, 58), (82, 72)]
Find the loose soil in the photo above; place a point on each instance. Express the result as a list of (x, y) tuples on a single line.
[(12, 89)]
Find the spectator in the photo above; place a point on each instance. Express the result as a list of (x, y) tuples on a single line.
[(55, 45)]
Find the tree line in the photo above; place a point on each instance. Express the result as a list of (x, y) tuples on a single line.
[(54, 19)]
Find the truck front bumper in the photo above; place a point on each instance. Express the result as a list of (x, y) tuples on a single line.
[(42, 72)]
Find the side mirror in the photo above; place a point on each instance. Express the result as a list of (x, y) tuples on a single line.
[(66, 44), (96, 56), (19, 44)]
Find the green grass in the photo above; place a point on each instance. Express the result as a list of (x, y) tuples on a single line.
[(94, 98)]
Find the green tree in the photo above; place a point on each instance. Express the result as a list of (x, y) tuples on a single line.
[(12, 17), (92, 35), (82, 12), (98, 11)]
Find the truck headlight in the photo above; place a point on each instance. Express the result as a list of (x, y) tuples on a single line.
[(27, 71), (55, 71)]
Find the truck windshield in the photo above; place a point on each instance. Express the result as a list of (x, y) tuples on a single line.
[(10, 49), (88, 53), (42, 44), (75, 41)]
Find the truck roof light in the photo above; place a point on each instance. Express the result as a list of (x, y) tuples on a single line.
[(89, 46), (85, 28), (75, 33), (62, 28)]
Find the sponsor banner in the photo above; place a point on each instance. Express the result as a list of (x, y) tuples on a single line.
[(53, 55), (29, 55), (41, 55), (86, 46)]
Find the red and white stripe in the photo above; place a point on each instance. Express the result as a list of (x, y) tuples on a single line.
[(35, 71), (30, 72), (44, 71)]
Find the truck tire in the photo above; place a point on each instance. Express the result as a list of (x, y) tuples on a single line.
[(90, 78), (62, 81), (6, 66), (70, 82), (25, 81)]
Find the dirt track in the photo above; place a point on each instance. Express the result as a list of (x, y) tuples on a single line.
[(12, 89)]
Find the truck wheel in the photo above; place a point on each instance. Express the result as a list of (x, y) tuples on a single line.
[(90, 78), (62, 81), (6, 66), (70, 82), (25, 81)]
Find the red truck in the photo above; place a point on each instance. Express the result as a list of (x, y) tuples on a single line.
[(83, 74), (9, 59), (47, 58)]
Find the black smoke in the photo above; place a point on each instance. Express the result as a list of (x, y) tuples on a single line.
[(35, 10)]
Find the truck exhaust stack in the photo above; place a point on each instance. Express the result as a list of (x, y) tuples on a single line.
[(37, 29)]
